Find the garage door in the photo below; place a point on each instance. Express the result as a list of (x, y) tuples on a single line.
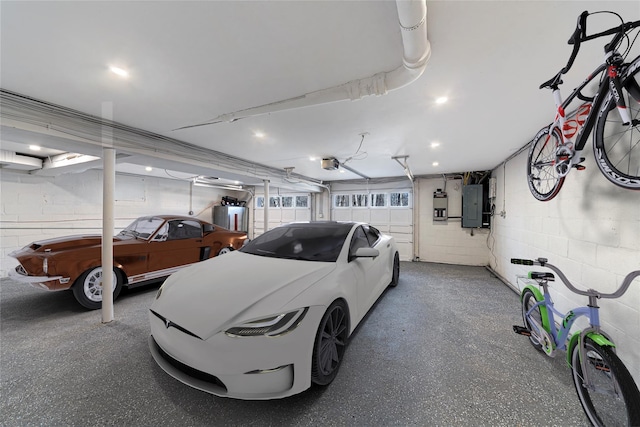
[(390, 211), (282, 210)]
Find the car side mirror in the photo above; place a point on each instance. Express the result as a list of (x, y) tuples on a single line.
[(366, 253), (207, 228)]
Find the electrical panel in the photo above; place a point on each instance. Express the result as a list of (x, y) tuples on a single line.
[(440, 205), (472, 202)]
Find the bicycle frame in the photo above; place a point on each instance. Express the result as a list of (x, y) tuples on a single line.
[(574, 132), (560, 334), (583, 129)]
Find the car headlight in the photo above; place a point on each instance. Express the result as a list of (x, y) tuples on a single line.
[(271, 326)]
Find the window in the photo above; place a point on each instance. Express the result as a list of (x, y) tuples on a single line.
[(358, 240), (142, 228), (162, 233), (341, 201), (287, 201), (302, 201), (274, 202), (259, 202), (399, 199), (184, 230), (359, 200), (372, 235), (378, 200)]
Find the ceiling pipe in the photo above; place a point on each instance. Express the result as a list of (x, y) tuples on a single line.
[(412, 16)]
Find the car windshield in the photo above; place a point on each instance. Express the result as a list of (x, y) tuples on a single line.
[(309, 241), (142, 227)]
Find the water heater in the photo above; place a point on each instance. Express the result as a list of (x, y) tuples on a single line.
[(234, 218)]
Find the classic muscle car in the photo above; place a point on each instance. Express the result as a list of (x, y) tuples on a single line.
[(150, 248)]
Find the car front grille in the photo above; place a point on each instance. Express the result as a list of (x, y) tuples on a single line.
[(192, 372)]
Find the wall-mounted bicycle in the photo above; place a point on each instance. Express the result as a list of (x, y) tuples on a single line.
[(614, 112), (605, 387)]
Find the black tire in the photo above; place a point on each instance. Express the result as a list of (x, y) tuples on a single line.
[(544, 181), (609, 375), (88, 287), (395, 272), (528, 301), (330, 343), (617, 147)]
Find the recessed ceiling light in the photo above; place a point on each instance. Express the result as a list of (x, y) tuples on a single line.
[(148, 168), (119, 71), (441, 100), (435, 164), (313, 159), (259, 134), (34, 147), (435, 144)]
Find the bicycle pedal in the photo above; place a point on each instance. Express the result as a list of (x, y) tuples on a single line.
[(578, 166), (521, 330)]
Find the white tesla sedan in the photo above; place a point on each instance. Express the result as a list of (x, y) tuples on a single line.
[(267, 320)]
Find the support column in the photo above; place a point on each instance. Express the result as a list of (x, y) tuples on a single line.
[(108, 185), (266, 204)]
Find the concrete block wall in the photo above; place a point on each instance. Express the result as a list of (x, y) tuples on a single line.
[(34, 207), (446, 241), (591, 231)]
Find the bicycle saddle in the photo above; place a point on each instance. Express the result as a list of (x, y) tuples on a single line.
[(553, 82), (539, 275)]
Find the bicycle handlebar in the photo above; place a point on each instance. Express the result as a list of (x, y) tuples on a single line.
[(591, 292), (580, 35)]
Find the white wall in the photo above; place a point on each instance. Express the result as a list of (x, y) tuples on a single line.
[(446, 241), (35, 207), (591, 231)]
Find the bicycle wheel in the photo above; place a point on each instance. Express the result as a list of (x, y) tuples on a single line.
[(617, 147), (611, 398), (528, 301), (544, 181)]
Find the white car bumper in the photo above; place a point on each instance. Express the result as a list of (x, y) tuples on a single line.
[(240, 367)]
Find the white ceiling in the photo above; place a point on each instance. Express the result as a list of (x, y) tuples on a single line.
[(190, 62)]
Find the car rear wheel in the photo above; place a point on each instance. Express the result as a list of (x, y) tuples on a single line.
[(395, 272), (330, 344), (88, 288)]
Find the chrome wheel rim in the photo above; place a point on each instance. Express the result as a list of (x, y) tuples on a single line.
[(92, 285)]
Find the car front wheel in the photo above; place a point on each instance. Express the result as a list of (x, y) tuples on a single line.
[(88, 288), (330, 343)]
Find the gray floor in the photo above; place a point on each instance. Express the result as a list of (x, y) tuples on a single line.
[(436, 350)]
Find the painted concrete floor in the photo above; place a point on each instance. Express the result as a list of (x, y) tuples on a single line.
[(438, 350)]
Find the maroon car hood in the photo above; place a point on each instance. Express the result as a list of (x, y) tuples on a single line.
[(67, 242)]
